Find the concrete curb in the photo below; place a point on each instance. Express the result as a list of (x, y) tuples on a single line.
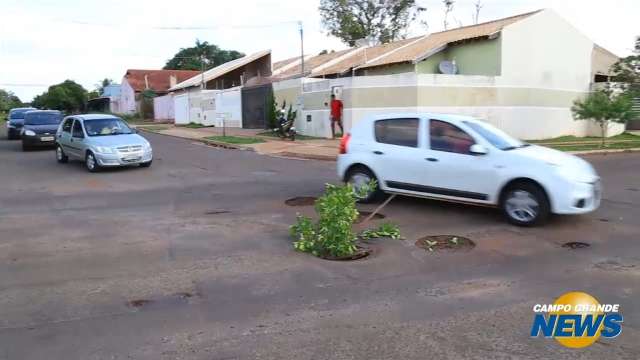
[(604, 152), (209, 142)]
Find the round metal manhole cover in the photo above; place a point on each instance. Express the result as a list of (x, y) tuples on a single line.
[(445, 242), (575, 245), (365, 214), (301, 201)]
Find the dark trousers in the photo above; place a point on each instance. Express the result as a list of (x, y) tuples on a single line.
[(335, 121)]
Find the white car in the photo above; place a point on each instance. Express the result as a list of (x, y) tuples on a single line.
[(458, 158)]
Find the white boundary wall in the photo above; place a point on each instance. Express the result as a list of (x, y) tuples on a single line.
[(163, 108), (209, 107)]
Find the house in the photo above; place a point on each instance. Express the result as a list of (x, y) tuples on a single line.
[(135, 82), (232, 94), (108, 101), (520, 73)]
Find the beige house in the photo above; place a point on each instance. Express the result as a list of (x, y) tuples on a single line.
[(520, 73)]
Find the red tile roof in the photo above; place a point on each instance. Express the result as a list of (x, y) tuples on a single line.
[(159, 80)]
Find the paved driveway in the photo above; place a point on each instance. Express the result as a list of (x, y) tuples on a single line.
[(190, 259)]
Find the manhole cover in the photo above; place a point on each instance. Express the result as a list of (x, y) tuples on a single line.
[(575, 245), (139, 303), (301, 201), (365, 214), (360, 253), (445, 242)]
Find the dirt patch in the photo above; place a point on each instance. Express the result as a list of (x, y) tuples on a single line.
[(139, 303), (365, 214), (573, 245), (445, 242), (361, 253), (301, 201)]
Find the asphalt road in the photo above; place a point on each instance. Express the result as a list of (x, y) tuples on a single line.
[(190, 259)]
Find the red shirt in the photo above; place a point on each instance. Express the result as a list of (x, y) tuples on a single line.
[(336, 109)]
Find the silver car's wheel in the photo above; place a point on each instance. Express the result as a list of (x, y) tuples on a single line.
[(60, 155), (91, 163), (522, 206)]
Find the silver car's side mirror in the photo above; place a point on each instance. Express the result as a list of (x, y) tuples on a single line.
[(477, 149)]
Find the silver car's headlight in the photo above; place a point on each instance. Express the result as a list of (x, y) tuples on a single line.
[(146, 147), (29, 133), (104, 150)]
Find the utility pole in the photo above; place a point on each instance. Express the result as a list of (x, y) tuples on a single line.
[(202, 85), (301, 48)]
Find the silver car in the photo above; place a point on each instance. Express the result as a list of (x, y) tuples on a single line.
[(101, 141)]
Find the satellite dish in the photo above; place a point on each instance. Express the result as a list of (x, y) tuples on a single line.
[(448, 67)]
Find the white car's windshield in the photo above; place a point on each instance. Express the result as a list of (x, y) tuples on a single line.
[(496, 137), (106, 127)]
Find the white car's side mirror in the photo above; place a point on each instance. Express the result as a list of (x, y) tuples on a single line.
[(477, 149)]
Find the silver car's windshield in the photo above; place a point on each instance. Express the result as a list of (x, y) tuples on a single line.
[(106, 127), (496, 137)]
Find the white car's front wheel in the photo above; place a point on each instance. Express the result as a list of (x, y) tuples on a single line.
[(525, 204)]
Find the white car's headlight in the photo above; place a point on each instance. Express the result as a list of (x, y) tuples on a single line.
[(104, 150), (29, 133)]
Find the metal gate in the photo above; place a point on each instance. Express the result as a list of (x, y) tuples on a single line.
[(255, 105)]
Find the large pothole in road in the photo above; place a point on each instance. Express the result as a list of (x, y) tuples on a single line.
[(365, 214), (445, 243), (301, 201)]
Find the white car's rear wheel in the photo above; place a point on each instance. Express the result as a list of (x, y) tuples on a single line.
[(525, 204), (359, 177)]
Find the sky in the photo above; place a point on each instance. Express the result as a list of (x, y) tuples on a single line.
[(48, 41)]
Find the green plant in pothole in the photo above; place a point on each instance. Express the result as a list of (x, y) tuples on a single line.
[(431, 244), (385, 230), (333, 234)]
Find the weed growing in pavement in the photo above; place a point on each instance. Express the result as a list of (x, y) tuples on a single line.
[(385, 230), (332, 235)]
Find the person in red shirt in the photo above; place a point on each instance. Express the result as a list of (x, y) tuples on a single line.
[(336, 115)]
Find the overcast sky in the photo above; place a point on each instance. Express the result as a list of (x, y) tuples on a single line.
[(47, 41)]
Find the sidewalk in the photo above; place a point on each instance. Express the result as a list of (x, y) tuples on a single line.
[(317, 149)]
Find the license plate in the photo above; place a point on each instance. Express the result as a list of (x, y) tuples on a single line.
[(131, 158), (46, 138)]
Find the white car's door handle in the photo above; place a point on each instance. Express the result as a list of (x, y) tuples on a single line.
[(378, 152), (431, 159)]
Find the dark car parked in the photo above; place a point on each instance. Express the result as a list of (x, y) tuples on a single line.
[(15, 120), (40, 128)]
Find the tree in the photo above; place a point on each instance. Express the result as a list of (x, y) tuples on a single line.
[(448, 8), (8, 101), (476, 12), (626, 72), (604, 107), (191, 58), (68, 96), (382, 20), (103, 84)]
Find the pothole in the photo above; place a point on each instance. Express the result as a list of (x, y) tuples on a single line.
[(365, 214), (575, 245), (301, 201), (604, 220), (139, 303), (216, 212), (445, 242)]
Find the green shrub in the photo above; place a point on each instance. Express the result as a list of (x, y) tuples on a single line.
[(332, 235)]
